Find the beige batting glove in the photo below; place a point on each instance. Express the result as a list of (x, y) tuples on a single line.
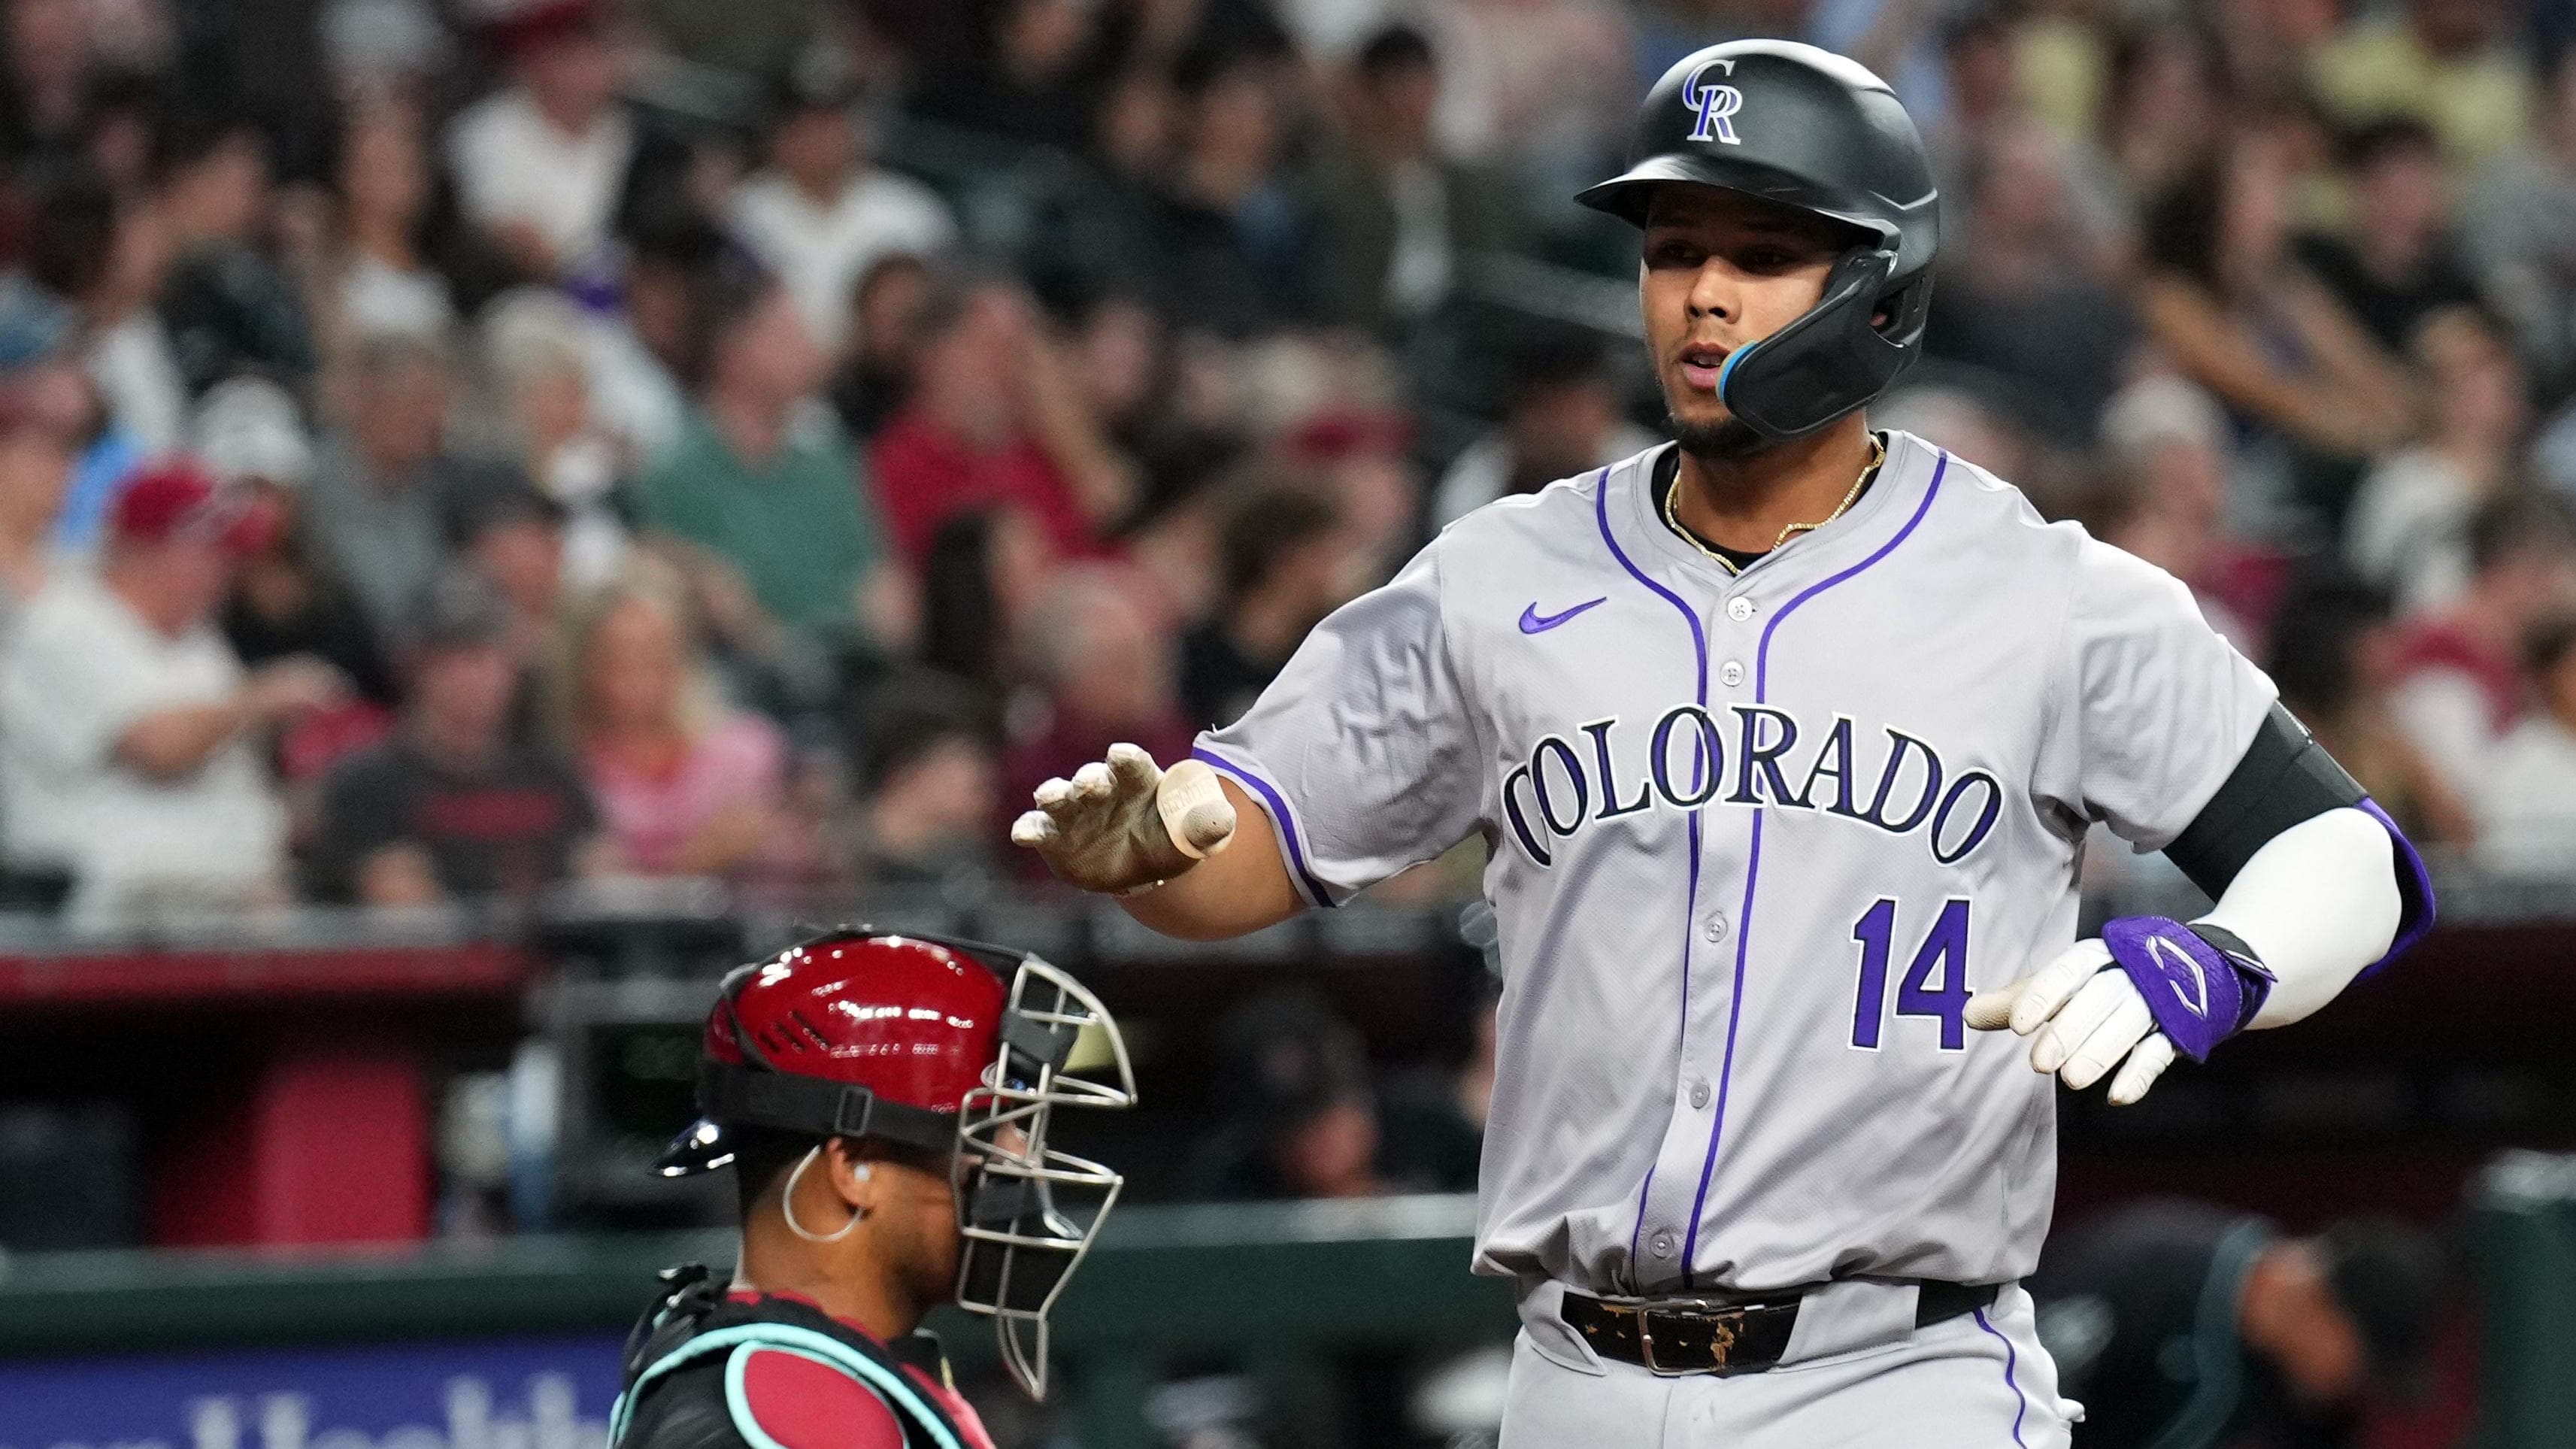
[(2087, 1017), (1121, 825)]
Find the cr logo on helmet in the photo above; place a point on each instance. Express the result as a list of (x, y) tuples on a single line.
[(1714, 104)]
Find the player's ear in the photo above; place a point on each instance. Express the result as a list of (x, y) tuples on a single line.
[(852, 1171)]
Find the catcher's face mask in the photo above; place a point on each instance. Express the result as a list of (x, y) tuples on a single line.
[(892, 1037), (1028, 1211)]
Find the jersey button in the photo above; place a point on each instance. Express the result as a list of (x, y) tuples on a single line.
[(1731, 672), (1661, 1244), (1698, 1093), (1739, 608), (1715, 927)]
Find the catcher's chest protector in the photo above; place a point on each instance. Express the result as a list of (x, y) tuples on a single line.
[(708, 1371)]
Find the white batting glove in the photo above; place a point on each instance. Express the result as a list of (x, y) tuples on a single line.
[(1121, 825), (2088, 1015)]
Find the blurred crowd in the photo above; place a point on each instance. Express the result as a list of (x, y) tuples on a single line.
[(450, 448)]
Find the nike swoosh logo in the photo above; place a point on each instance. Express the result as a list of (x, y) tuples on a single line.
[(1532, 622)]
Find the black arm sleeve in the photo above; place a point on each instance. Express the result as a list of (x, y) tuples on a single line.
[(2285, 778)]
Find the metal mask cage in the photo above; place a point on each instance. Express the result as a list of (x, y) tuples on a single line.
[(1028, 1212)]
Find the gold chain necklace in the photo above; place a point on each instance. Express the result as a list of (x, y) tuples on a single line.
[(1673, 516)]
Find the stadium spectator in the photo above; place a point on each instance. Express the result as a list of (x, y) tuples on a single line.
[(1561, 418), (35, 469), (2449, 64), (877, 371), (542, 164), (496, 521), (2145, 1307), (104, 255), (284, 601), (1394, 220), (760, 484), (2459, 684), (979, 588), (2164, 108), (686, 784), (2334, 657), (1281, 574), (2240, 316), (377, 282), (2408, 531), (824, 213), (2397, 264), (1103, 671), (2519, 233), (130, 734), (2527, 803), (1017, 80), (380, 482), (639, 353), (536, 352), (49, 62), (2167, 442), (1306, 1123), (1230, 247), (932, 786), (229, 305), (451, 807), (996, 419), (2031, 298)]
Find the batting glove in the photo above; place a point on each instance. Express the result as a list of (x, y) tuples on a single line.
[(2150, 987), (1121, 825)]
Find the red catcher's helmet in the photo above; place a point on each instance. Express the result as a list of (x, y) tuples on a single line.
[(955, 1048), (853, 1034)]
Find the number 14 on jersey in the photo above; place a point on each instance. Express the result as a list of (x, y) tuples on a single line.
[(1943, 954)]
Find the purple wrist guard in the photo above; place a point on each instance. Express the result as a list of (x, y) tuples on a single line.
[(2200, 993)]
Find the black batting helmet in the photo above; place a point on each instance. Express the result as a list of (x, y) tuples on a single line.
[(1813, 130)]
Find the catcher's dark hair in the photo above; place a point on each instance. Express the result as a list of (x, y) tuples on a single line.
[(761, 1156)]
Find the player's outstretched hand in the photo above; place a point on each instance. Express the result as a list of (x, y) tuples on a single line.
[(2088, 1016), (1122, 825)]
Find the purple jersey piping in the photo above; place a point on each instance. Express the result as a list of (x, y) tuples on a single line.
[(1690, 909), (1753, 857), (1287, 819), (2021, 1401)]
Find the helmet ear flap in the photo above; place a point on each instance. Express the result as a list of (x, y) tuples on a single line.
[(1835, 357)]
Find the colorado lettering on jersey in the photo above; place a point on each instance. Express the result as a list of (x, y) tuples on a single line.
[(1565, 784)]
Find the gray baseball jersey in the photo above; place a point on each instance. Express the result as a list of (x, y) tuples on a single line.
[(1754, 841)]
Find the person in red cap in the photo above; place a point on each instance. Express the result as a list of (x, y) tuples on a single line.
[(128, 729), (884, 1101), (540, 164)]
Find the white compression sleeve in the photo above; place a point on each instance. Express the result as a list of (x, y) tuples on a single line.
[(2317, 903)]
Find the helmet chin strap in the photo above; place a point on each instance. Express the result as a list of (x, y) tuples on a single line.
[(787, 1201)]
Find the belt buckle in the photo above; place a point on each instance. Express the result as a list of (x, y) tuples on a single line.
[(1725, 1322)]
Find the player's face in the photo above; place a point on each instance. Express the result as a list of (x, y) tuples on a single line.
[(1723, 269)]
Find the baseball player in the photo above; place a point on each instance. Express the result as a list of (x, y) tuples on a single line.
[(884, 1103), (1784, 739)]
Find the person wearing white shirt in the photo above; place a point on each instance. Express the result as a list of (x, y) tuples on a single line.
[(2526, 805), (823, 212), (129, 732), (540, 166)]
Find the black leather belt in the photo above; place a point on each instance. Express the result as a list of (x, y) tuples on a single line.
[(1713, 1336)]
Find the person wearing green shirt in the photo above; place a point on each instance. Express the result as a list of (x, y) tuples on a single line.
[(759, 478)]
